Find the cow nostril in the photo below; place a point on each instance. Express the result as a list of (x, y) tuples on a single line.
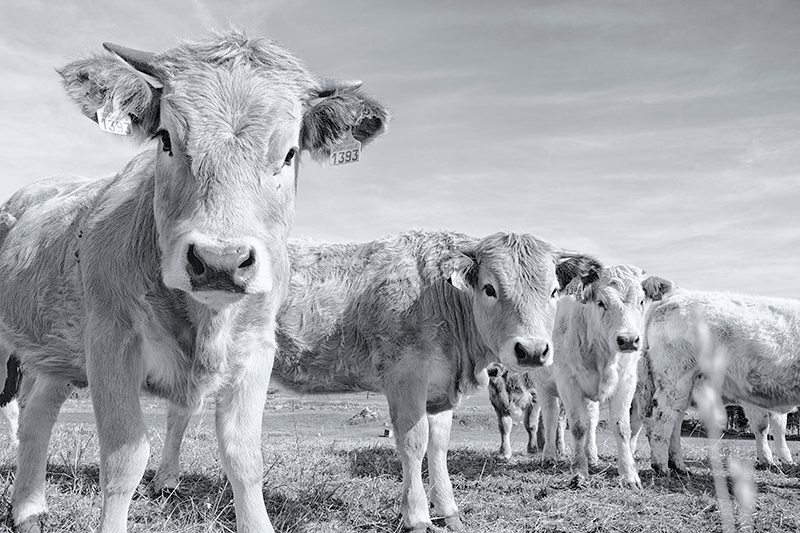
[(520, 351), (637, 341), (198, 268), (545, 351), (621, 341), (250, 261)]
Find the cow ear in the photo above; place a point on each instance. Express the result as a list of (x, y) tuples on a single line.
[(655, 287), (341, 112), (121, 83), (571, 265), (461, 271)]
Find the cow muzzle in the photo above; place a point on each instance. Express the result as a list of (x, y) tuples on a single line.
[(629, 342), (224, 269), (532, 354)]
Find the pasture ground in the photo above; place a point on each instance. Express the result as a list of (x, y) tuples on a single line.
[(329, 469)]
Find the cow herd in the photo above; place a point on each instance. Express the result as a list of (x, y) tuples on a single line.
[(176, 277)]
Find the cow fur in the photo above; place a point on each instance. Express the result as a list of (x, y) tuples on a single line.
[(166, 276), (597, 341), (417, 316), (757, 338)]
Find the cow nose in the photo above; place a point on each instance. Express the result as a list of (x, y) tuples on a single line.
[(536, 354), (628, 343), (219, 268)]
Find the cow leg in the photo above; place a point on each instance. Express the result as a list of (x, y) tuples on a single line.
[(636, 423), (669, 405), (561, 445), (113, 365), (239, 411), (11, 416), (498, 396), (619, 413), (758, 419), (593, 412), (531, 422), (777, 422), (44, 397), (444, 503), (549, 406), (169, 468), (578, 413), (407, 397)]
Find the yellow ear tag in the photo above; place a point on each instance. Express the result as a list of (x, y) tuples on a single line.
[(348, 151), (113, 122)]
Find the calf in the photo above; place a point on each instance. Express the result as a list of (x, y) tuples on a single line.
[(418, 317), (513, 393), (153, 278), (759, 340), (597, 339)]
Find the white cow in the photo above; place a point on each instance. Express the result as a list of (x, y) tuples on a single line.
[(419, 317), (597, 342), (758, 339), (156, 278)]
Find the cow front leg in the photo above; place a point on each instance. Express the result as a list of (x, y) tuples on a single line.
[(531, 422), (593, 414), (239, 410), (44, 397), (498, 396), (11, 416), (407, 397), (619, 413), (578, 414), (759, 426), (777, 424), (549, 406), (168, 472), (664, 429), (113, 365), (444, 503)]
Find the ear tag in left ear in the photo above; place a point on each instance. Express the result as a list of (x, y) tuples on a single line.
[(348, 151), (112, 121)]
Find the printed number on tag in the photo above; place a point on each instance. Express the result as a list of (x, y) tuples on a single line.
[(347, 155), (113, 123)]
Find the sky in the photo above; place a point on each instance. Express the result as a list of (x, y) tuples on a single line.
[(661, 134)]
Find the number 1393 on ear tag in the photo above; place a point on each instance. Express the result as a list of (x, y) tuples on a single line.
[(111, 122), (349, 151)]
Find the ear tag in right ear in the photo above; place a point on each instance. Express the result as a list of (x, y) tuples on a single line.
[(111, 121), (348, 151)]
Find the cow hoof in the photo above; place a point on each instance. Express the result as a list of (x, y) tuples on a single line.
[(421, 528), (578, 481), (451, 523), (659, 471), (33, 524), (634, 483)]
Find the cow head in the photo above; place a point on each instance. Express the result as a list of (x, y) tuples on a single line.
[(615, 297), (515, 281), (229, 117)]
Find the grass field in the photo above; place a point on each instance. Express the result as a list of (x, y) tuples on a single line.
[(329, 469)]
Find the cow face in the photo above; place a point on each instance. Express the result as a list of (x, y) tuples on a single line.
[(616, 300), (230, 117), (515, 280)]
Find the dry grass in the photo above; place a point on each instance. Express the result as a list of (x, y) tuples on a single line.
[(324, 474)]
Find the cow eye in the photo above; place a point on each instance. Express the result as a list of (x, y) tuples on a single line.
[(554, 293), (641, 303), (166, 143), (290, 156), (600, 304), (489, 290)]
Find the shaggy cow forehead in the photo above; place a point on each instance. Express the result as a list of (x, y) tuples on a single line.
[(622, 281), (214, 111), (520, 262)]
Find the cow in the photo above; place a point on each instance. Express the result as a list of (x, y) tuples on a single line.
[(597, 342), (417, 316), (512, 394), (758, 340), (154, 278)]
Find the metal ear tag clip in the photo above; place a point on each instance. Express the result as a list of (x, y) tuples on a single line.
[(348, 151)]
